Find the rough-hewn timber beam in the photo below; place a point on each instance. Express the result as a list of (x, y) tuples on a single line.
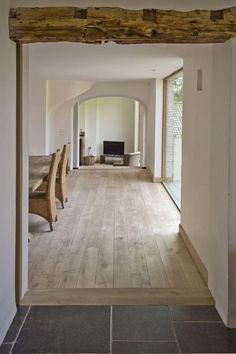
[(96, 25)]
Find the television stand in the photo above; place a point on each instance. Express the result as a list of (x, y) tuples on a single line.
[(103, 157)]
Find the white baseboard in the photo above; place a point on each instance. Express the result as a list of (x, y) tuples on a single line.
[(154, 179), (197, 260)]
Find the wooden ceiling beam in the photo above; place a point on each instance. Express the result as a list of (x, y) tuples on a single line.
[(105, 24)]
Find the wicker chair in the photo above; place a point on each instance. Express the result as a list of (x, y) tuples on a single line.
[(61, 185), (43, 203)]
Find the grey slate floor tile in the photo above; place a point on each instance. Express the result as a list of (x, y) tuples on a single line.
[(200, 337), (194, 313), (144, 347), (16, 324), (141, 323), (135, 329), (65, 329), (5, 348)]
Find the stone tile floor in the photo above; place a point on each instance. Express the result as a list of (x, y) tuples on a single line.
[(118, 329)]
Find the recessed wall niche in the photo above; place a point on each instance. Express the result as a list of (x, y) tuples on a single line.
[(199, 80)]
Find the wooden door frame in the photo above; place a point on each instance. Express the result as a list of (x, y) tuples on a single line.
[(19, 172)]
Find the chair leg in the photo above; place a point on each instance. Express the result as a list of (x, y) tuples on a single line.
[(51, 227), (66, 200), (62, 204), (56, 218)]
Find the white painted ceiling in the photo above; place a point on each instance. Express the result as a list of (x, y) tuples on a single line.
[(107, 62)]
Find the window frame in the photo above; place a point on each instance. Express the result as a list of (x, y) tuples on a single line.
[(164, 123)]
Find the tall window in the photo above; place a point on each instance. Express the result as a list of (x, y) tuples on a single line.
[(172, 160)]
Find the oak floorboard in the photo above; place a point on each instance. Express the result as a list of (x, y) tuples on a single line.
[(122, 268), (139, 270), (104, 271)]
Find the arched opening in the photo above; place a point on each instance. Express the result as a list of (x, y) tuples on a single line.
[(118, 120)]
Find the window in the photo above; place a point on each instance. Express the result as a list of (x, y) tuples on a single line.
[(172, 147)]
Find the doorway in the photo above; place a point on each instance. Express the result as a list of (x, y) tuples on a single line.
[(144, 219)]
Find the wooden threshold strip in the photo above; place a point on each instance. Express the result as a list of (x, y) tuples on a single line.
[(188, 296)]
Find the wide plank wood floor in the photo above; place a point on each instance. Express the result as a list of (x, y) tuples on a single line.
[(118, 230)]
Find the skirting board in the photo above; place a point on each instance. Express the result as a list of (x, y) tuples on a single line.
[(154, 179), (201, 267)]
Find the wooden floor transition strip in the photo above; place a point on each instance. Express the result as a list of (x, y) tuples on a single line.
[(194, 296)]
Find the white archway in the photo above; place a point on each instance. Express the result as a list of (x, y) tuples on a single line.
[(59, 129), (139, 126)]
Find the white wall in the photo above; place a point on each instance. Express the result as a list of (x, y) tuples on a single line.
[(92, 124), (108, 118), (61, 126), (142, 134), (158, 128), (46, 100), (82, 117), (60, 96), (75, 137), (138, 90), (196, 151), (38, 114), (59, 116), (219, 177), (115, 122), (209, 169), (60, 91), (136, 125), (150, 128), (154, 128), (8, 172)]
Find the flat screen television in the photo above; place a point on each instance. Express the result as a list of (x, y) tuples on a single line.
[(113, 147)]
